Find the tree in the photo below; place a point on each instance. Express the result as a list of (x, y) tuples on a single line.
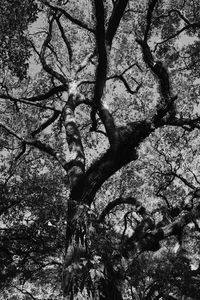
[(99, 147)]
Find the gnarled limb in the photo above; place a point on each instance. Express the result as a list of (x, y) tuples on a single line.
[(103, 52), (130, 138), (165, 108), (76, 167), (150, 239)]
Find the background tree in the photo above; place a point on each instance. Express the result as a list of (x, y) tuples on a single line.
[(99, 149)]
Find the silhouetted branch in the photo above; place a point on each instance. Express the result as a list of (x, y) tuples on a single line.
[(193, 26), (25, 292), (39, 145), (57, 8), (101, 73), (186, 123), (176, 11), (113, 24), (67, 43), (152, 4), (46, 66), (114, 203), (150, 239), (121, 77), (46, 123)]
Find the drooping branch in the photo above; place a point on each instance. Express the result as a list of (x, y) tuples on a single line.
[(119, 201)]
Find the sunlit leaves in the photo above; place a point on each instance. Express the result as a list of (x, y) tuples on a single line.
[(15, 18)]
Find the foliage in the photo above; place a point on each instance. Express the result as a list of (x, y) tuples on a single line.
[(15, 18), (99, 149)]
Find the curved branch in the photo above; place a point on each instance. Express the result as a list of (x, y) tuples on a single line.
[(47, 67), (57, 8), (114, 203), (166, 104), (177, 12), (193, 26), (130, 137)]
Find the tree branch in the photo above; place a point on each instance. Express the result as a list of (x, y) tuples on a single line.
[(53, 91), (39, 145), (101, 73), (149, 240), (47, 123), (57, 8), (121, 77), (193, 26), (166, 104), (15, 100), (114, 203), (130, 137), (24, 292), (76, 167), (47, 67), (113, 24), (185, 123), (67, 43), (152, 4)]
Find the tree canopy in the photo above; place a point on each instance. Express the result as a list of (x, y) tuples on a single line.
[(99, 149)]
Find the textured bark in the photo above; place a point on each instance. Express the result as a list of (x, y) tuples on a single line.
[(150, 239)]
